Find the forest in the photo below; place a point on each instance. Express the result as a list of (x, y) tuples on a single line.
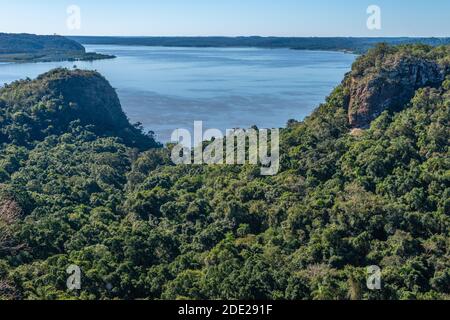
[(81, 186), (38, 48), (357, 45)]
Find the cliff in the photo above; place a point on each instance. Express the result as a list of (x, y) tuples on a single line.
[(30, 110), (387, 78), (141, 228)]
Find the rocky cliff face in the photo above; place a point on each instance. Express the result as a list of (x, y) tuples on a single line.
[(388, 83), (91, 97), (50, 103), (10, 213), (68, 96)]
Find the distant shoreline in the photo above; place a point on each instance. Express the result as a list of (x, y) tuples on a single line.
[(28, 48), (218, 47), (340, 44), (24, 59)]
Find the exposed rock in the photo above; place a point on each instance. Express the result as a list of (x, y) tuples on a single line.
[(50, 103), (356, 132), (10, 213), (389, 87), (91, 97)]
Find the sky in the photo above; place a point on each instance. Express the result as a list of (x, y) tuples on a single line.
[(226, 17)]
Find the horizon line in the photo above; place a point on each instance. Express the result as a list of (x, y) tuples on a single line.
[(234, 36)]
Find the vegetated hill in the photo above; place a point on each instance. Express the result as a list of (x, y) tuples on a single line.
[(388, 77), (30, 43), (31, 110), (345, 199), (34, 48), (356, 45)]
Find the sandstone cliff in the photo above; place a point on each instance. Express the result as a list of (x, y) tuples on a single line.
[(387, 78)]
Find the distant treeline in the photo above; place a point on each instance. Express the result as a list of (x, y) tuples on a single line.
[(36, 48), (357, 45), (31, 43)]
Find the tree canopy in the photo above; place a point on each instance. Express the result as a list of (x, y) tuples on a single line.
[(105, 197)]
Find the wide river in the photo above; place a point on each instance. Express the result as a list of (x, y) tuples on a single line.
[(170, 88)]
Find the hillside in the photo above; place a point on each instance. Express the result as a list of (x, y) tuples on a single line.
[(351, 194), (34, 48), (31, 110)]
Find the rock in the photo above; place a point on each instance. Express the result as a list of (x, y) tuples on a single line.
[(90, 96), (389, 87), (55, 100), (10, 211)]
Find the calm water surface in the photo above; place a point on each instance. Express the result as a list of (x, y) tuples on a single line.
[(170, 88)]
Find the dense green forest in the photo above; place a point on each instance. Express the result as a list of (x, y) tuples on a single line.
[(79, 185), (352, 44), (37, 48)]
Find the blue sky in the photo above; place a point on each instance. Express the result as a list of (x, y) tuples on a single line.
[(228, 17)]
